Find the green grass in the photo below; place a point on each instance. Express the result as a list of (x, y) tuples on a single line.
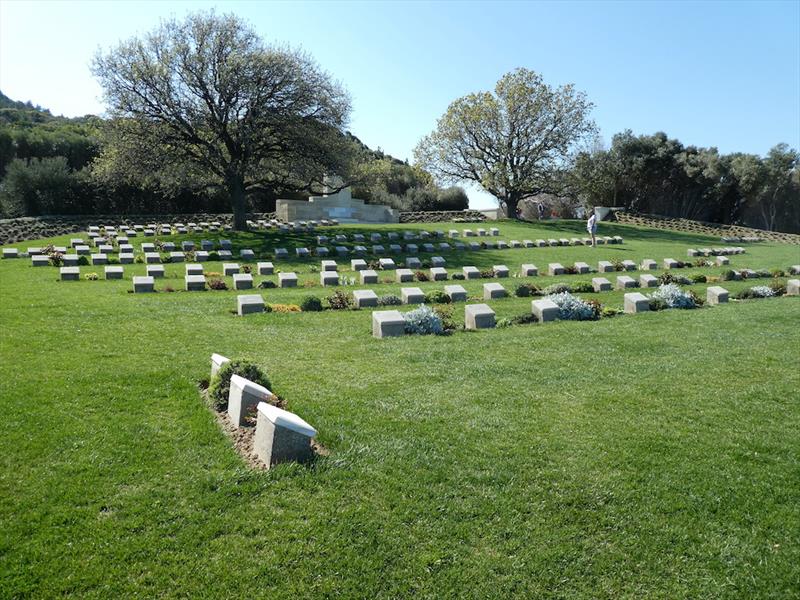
[(654, 455)]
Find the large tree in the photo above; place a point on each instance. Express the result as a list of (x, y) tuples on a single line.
[(207, 97), (513, 143)]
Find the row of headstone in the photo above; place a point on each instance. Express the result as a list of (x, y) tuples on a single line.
[(727, 251), (390, 323), (280, 436), (291, 225)]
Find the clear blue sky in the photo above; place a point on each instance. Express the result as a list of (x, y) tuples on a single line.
[(724, 74)]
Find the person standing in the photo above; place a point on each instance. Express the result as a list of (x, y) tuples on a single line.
[(591, 227), (540, 208)]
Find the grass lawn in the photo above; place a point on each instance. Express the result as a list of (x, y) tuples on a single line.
[(652, 455)]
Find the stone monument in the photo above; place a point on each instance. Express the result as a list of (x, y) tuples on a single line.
[(340, 206)]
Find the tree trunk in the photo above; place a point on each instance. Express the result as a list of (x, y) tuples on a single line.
[(238, 202), (511, 207)]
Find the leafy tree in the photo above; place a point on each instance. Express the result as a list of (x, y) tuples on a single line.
[(39, 187), (514, 143), (207, 97)]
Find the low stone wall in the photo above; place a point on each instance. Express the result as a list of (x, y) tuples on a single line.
[(442, 216), (702, 227), (33, 228)]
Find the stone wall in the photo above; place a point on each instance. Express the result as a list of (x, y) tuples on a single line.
[(33, 228), (702, 227), (442, 216)]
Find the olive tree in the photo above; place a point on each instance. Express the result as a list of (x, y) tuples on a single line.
[(513, 143), (206, 97)]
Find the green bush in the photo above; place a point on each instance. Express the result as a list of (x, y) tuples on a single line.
[(389, 300), (728, 275), (437, 297), (698, 278), (340, 300), (220, 385), (311, 304), (83, 260), (582, 287)]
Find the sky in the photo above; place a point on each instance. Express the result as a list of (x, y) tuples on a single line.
[(722, 74)]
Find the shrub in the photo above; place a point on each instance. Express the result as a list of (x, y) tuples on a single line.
[(728, 275), (757, 291), (311, 304), (446, 315), (138, 259), (282, 308), (522, 319), (487, 274), (217, 284), (667, 279), (437, 297), (617, 264), (557, 288), (220, 385), (572, 308), (313, 269), (673, 296), (458, 276), (339, 300), (423, 321), (702, 262), (582, 287), (169, 288), (92, 276), (657, 304), (778, 273), (389, 300), (571, 270), (83, 260), (523, 290), (266, 284), (698, 278), (421, 276), (597, 308), (213, 256), (247, 269), (778, 288), (56, 259)]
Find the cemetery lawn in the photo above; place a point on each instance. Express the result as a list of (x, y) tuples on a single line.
[(653, 455)]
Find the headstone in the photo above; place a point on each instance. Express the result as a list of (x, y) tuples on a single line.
[(469, 233), (40, 260), (541, 243), (500, 271), (194, 269), (302, 252), (412, 262), (452, 233), (629, 265), (225, 244), (387, 264), (388, 323), (155, 270), (187, 246), (793, 287), (601, 284), (492, 291), (438, 274), (555, 269), (244, 396), (70, 273), (636, 302), (624, 282), (152, 258), (648, 264), (177, 257), (201, 255), (471, 272), (412, 248), (99, 259), (544, 310), (328, 278), (481, 232), (378, 249), (247, 254), (691, 252), (207, 245), (404, 275), (428, 248), (395, 248), (242, 281), (114, 272), (358, 264), (365, 298), (126, 258), (716, 295), (230, 268), (281, 253), (194, 283), (478, 316), (287, 280), (71, 260), (80, 250), (456, 293), (723, 260), (605, 267), (582, 267), (265, 268), (412, 295), (528, 243), (474, 246), (329, 265), (438, 261), (670, 263), (529, 270), (143, 285), (13, 252), (249, 303), (368, 276), (342, 250), (494, 231), (648, 280)]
